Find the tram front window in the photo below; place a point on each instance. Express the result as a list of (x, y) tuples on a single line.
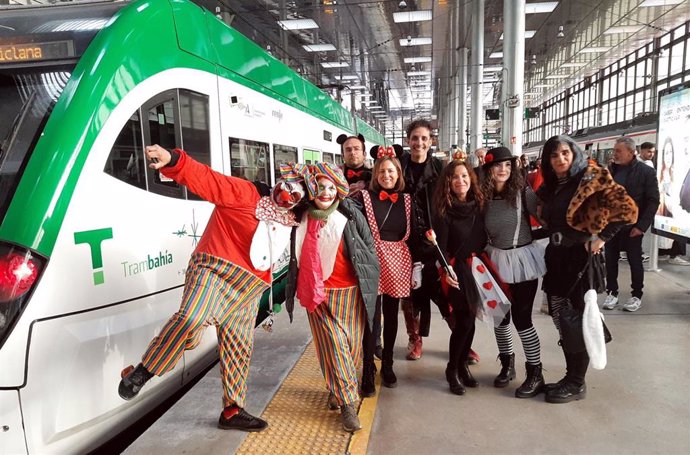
[(28, 96)]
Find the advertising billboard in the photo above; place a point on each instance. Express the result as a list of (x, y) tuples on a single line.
[(673, 164)]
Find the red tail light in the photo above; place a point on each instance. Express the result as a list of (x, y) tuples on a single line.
[(20, 270), (17, 274)]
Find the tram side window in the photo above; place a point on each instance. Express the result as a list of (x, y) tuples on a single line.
[(126, 160), (328, 157), (249, 160), (283, 154), (160, 115), (194, 120)]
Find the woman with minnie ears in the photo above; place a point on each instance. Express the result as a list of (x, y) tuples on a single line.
[(519, 261), (389, 214), (460, 234), (334, 273)]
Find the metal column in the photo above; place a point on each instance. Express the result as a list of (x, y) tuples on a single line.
[(477, 74), (463, 54), (513, 74)]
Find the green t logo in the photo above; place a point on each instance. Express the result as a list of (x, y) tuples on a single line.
[(94, 239)]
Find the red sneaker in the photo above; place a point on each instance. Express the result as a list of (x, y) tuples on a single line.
[(415, 347), (473, 358)]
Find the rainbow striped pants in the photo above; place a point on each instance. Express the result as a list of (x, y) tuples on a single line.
[(337, 326), (220, 293)]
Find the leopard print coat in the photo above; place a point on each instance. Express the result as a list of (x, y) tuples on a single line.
[(599, 201)]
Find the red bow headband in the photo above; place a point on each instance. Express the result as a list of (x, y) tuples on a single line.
[(387, 152)]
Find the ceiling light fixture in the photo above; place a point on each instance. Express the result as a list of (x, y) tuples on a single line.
[(560, 32), (417, 59), (648, 3), (318, 47), (297, 24), (412, 16), (623, 29), (334, 64), (528, 34), (534, 59), (409, 41), (542, 7), (594, 49), (496, 55)]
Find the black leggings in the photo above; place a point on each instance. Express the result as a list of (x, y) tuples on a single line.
[(462, 334), (390, 328), (522, 303)]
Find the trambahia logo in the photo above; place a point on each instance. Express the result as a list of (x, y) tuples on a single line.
[(131, 268)]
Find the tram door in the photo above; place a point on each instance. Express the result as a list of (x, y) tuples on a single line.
[(311, 156)]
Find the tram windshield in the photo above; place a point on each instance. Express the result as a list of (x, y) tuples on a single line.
[(38, 52)]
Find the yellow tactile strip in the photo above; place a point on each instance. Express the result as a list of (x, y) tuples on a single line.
[(300, 421)]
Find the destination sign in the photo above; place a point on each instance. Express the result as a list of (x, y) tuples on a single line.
[(33, 52)]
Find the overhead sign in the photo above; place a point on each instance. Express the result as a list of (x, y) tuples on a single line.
[(33, 52)]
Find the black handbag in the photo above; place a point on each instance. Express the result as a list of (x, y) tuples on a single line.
[(570, 319)]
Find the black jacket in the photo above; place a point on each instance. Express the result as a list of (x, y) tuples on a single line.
[(422, 192), (642, 185), (359, 245)]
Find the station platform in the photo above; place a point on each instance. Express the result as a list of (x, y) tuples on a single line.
[(638, 404)]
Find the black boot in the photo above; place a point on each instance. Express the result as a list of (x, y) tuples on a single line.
[(507, 373), (368, 380), (466, 375), (533, 385), (133, 379), (573, 387), (388, 378), (454, 381)]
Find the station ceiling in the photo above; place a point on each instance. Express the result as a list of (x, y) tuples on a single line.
[(367, 52)]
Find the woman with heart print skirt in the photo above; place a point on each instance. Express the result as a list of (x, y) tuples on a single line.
[(460, 233), (520, 263)]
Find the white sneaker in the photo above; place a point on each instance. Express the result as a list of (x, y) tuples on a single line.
[(645, 258), (678, 261), (611, 302), (623, 256), (632, 304)]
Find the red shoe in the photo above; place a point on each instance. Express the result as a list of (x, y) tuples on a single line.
[(415, 349), (473, 358)]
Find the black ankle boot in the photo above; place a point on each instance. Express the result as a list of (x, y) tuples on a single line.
[(132, 381), (466, 376), (566, 392), (369, 380), (533, 385), (507, 373), (388, 378), (454, 381)]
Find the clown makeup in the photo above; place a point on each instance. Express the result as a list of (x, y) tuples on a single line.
[(387, 176), (286, 195), (326, 193)]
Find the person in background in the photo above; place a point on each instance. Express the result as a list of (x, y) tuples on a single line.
[(334, 274), (573, 190), (354, 168), (639, 181), (460, 231), (480, 153), (420, 171), (519, 260), (524, 166), (647, 151), (227, 274), (389, 213)]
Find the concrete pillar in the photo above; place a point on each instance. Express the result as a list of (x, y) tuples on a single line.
[(477, 74), (513, 74), (462, 98)]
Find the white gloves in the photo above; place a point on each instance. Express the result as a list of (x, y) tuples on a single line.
[(417, 275)]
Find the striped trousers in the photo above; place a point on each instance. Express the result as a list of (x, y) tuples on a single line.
[(220, 293), (337, 326)]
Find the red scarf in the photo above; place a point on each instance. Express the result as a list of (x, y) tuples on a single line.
[(310, 289)]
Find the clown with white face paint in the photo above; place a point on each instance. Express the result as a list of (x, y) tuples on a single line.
[(227, 274), (334, 274)]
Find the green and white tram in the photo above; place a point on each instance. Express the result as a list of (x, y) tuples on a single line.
[(93, 244)]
